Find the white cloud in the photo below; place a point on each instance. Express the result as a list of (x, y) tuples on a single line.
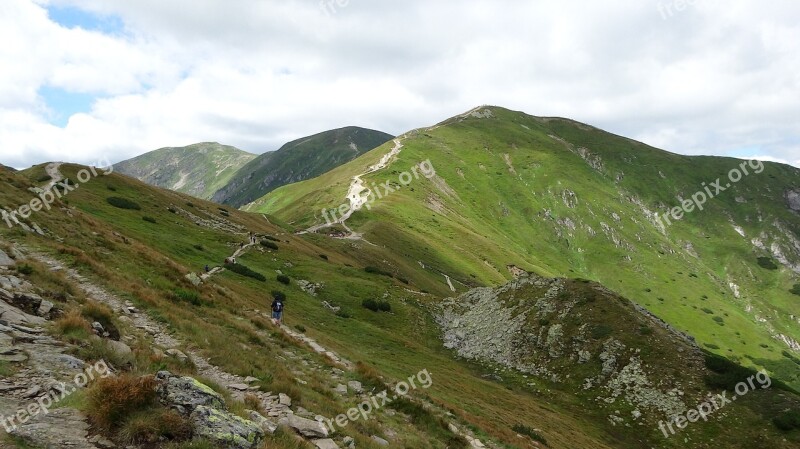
[(710, 79)]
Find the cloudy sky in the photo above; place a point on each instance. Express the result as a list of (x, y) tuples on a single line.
[(91, 80)]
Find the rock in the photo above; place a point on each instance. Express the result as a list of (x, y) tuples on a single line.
[(13, 315), (98, 328), (380, 441), (102, 443), (71, 362), (60, 428), (349, 441), (326, 443), (266, 425), (341, 389), (186, 393), (307, 427), (239, 387), (356, 386), (119, 347), (44, 308), (177, 354), (6, 261), (793, 200), (224, 429), (250, 379), (14, 355), (284, 400), (194, 279)]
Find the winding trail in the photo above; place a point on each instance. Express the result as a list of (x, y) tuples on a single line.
[(53, 170), (354, 193), (239, 251)]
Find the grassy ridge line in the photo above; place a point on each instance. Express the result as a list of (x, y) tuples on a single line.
[(511, 173)]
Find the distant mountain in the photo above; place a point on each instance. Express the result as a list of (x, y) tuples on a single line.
[(297, 161), (198, 170)]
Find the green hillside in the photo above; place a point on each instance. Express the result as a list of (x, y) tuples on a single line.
[(296, 161), (560, 198), (198, 170)]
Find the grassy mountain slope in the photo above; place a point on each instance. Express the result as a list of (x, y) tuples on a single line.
[(560, 198), (145, 261), (296, 161), (198, 170)]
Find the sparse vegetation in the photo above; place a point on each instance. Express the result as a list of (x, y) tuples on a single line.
[(123, 203)]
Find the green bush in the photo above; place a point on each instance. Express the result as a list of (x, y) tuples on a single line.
[(795, 289), (787, 421), (300, 328), (269, 237), (719, 320), (44, 178), (376, 270), (767, 263), (343, 314), (149, 219), (283, 279), (325, 257), (529, 432), (245, 271), (707, 310), (376, 306), (123, 203), (279, 295), (25, 269), (267, 244), (601, 331)]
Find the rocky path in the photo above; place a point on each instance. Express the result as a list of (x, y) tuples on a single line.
[(236, 254), (48, 366), (53, 170)]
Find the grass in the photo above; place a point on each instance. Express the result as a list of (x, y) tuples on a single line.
[(529, 432)]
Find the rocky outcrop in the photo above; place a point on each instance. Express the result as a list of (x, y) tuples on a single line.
[(184, 394), (793, 200)]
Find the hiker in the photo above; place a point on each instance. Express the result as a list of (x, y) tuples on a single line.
[(277, 310), (207, 269)]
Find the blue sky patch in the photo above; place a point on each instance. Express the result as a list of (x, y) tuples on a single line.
[(63, 104), (71, 17)]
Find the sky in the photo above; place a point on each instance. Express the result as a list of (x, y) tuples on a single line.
[(106, 80)]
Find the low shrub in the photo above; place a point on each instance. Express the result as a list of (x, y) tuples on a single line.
[(44, 178), (73, 327), (376, 306), (112, 400), (268, 244), (153, 426), (795, 290), (529, 432), (245, 271), (325, 257), (767, 263), (283, 279), (376, 270), (123, 203), (787, 421), (279, 295), (601, 331), (149, 219), (269, 237), (343, 314), (719, 320), (300, 328), (25, 269), (95, 311)]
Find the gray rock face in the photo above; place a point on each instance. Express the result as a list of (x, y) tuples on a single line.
[(186, 394), (793, 200), (224, 429), (307, 427), (5, 260), (60, 428)]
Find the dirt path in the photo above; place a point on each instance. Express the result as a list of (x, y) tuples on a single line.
[(53, 170)]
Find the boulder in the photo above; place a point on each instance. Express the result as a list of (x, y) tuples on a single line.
[(284, 399), (326, 443), (793, 200), (185, 394), (225, 430), (308, 428), (177, 354), (266, 425), (380, 441), (119, 347), (44, 308), (194, 279), (356, 386), (6, 261)]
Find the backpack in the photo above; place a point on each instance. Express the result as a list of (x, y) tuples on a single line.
[(277, 306)]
